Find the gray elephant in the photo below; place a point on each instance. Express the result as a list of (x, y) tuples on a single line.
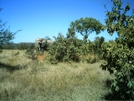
[(42, 44)]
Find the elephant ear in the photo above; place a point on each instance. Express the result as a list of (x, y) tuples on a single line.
[(49, 42), (43, 43)]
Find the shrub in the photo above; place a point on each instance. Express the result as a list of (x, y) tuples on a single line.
[(119, 54), (70, 48), (91, 59), (65, 49)]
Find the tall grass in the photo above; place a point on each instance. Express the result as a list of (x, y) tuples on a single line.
[(41, 81)]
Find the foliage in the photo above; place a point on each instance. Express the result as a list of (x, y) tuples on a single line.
[(23, 46), (86, 26), (5, 34), (47, 38), (96, 45), (92, 49), (10, 46), (120, 62), (92, 59), (65, 49), (70, 48), (119, 54), (30, 51)]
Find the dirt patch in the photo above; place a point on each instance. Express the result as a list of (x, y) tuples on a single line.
[(40, 57)]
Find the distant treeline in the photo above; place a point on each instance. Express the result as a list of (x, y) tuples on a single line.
[(20, 46)]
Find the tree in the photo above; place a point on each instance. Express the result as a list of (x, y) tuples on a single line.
[(119, 55), (5, 34), (47, 38), (97, 43), (85, 26)]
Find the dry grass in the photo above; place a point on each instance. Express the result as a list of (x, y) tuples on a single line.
[(41, 81), (14, 57), (40, 58)]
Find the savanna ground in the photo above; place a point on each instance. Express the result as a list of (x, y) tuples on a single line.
[(23, 79)]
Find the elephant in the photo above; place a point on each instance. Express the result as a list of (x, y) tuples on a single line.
[(42, 44)]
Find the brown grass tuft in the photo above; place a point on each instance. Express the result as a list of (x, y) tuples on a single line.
[(40, 57)]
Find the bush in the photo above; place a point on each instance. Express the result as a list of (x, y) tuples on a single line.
[(119, 54), (91, 59), (27, 46), (65, 49), (70, 48), (120, 60)]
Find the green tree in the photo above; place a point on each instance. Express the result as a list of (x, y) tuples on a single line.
[(70, 48), (5, 34), (86, 26), (10, 46), (97, 43), (119, 54)]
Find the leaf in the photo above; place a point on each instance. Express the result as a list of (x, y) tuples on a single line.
[(116, 88), (129, 84), (127, 7)]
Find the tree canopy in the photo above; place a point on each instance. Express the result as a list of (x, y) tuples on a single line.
[(119, 54), (85, 26), (5, 34), (119, 21)]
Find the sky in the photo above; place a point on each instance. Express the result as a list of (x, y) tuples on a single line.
[(41, 18)]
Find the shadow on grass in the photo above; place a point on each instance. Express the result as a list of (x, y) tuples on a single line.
[(9, 67), (108, 96), (116, 95)]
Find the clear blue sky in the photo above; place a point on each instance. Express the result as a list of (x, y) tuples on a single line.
[(40, 18)]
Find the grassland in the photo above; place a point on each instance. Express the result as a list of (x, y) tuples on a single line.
[(23, 79)]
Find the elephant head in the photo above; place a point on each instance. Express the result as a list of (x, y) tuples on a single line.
[(42, 44)]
